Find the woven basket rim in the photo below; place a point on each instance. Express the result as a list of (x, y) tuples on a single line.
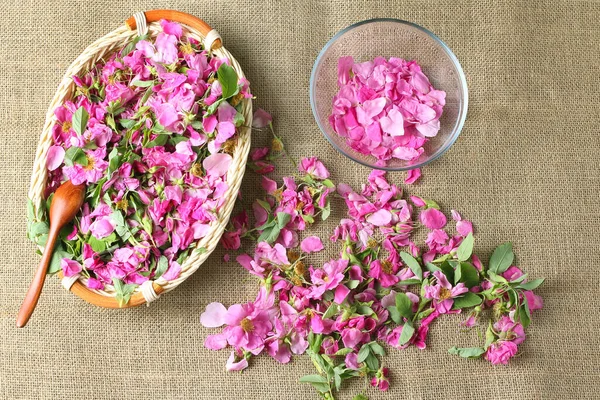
[(100, 49)]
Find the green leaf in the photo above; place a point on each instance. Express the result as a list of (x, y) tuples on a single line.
[(432, 267), (525, 313), (123, 291), (114, 161), (238, 119), (413, 264), (161, 267), (467, 274), (407, 332), (160, 140), (364, 310), (80, 120), (127, 123), (264, 204), (469, 299), (30, 210), (360, 397), (409, 282), (395, 314), (283, 219), (490, 336), (363, 353), (75, 155), (328, 183), (319, 382), (431, 204), (404, 305), (502, 258), (467, 352), (465, 249), (131, 45), (326, 211), (531, 285), (447, 270), (228, 79), (38, 228), (372, 362), (146, 96), (352, 284), (57, 257), (377, 349), (331, 311), (343, 351), (140, 83), (97, 244)]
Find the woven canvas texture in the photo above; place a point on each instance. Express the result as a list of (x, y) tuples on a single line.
[(525, 168)]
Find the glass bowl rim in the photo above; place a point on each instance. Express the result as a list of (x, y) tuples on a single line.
[(461, 76)]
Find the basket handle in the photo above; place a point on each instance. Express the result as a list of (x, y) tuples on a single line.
[(82, 291), (212, 39)]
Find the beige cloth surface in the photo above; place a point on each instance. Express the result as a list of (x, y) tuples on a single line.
[(526, 169)]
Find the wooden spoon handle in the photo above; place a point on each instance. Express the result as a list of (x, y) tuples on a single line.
[(35, 289)]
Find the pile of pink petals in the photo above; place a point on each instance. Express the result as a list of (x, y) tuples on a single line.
[(150, 132), (380, 289), (386, 108)]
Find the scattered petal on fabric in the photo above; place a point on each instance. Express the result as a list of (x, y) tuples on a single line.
[(311, 244), (213, 316)]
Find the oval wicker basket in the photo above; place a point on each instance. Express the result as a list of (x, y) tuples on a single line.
[(115, 40)]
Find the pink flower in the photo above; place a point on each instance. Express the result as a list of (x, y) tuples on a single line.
[(329, 346), (70, 267), (90, 173), (311, 244), (247, 326), (501, 352), (380, 380), (508, 329), (313, 167), (443, 292), (352, 337), (326, 278), (261, 119), (384, 271), (432, 218)]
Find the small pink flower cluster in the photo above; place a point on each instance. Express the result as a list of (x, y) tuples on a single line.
[(150, 131), (340, 312), (386, 108)]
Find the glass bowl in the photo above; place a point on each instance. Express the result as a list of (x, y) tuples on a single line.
[(391, 38)]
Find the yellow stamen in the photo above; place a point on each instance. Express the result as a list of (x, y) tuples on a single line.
[(300, 268), (300, 206), (293, 256), (197, 170), (247, 325), (66, 126), (90, 163), (229, 146), (445, 294), (236, 99), (122, 204), (386, 267), (372, 243), (186, 48)]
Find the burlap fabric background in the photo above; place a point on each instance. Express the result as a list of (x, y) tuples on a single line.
[(524, 169)]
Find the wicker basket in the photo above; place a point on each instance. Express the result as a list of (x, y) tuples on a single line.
[(115, 40)]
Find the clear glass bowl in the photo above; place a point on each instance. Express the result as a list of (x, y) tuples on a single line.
[(391, 38)]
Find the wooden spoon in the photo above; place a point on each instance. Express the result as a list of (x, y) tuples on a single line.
[(66, 202)]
